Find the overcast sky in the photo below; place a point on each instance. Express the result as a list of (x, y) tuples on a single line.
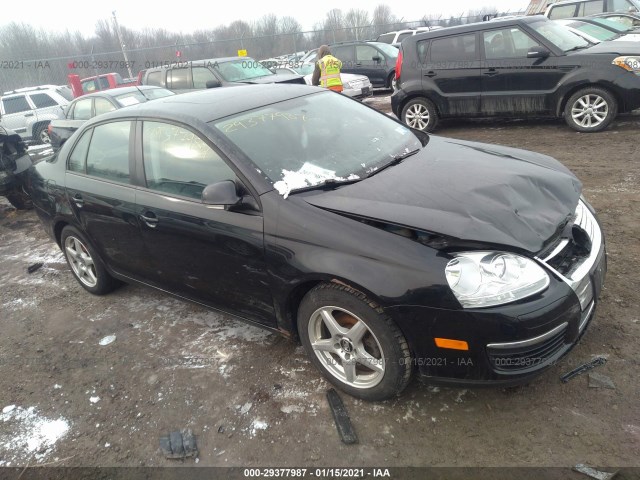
[(186, 15)]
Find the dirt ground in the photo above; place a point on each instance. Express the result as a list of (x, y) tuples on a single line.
[(253, 399)]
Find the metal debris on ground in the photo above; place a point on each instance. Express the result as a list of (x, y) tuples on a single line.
[(598, 380), (179, 444), (583, 368), (593, 473), (34, 267), (341, 417), (107, 340)]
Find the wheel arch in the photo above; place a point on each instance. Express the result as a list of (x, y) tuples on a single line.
[(562, 103), (57, 231)]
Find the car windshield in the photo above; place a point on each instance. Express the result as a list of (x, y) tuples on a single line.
[(561, 37), (613, 25), (388, 50), (141, 96), (241, 70), (595, 31), (301, 143)]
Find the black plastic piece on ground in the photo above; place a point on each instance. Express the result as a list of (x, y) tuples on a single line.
[(583, 368), (341, 417), (34, 267), (179, 444)]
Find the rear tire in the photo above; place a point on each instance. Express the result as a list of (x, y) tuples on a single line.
[(356, 346), (420, 114), (591, 109), (85, 263), (41, 135)]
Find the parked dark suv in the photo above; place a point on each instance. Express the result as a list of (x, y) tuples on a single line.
[(524, 66), (375, 60)]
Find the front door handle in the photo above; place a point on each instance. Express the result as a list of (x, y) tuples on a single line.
[(491, 72), (78, 200), (150, 219), (430, 73), (28, 114)]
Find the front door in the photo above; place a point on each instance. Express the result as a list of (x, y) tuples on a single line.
[(513, 84), (203, 252), (371, 63)]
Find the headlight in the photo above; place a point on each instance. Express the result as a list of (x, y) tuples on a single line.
[(485, 279), (631, 64)]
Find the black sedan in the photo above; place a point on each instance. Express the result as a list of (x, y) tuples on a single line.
[(380, 248), (88, 106)]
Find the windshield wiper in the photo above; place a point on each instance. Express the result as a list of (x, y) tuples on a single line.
[(396, 159), (578, 47), (328, 184)]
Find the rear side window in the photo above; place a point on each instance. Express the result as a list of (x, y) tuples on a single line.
[(155, 78), (178, 162), (79, 153), (102, 105), (15, 105), (345, 54), (621, 6), (108, 156), (386, 38), (563, 11), (404, 35), (591, 8), (460, 48), (82, 110), (42, 100), (178, 78)]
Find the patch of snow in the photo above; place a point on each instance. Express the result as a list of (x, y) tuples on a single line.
[(30, 435), (107, 445), (56, 386), (94, 399), (245, 408), (292, 408), (107, 340), (257, 425), (308, 175)]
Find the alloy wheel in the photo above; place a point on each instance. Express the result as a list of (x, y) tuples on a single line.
[(81, 261), (417, 116), (589, 111), (347, 348), (44, 136)]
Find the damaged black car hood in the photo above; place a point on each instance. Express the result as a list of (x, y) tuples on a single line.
[(470, 191)]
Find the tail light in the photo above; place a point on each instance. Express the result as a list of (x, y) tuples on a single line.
[(398, 66)]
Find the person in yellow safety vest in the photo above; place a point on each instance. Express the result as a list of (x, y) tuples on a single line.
[(327, 71)]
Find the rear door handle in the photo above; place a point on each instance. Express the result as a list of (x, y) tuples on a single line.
[(491, 72), (150, 219), (430, 73), (78, 200)]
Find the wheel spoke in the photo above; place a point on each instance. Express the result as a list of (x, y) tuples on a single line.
[(72, 252), (325, 345), (349, 367), (331, 323), (364, 358), (356, 332)]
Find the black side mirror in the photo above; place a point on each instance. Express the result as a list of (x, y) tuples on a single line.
[(213, 83), (221, 193), (538, 52)]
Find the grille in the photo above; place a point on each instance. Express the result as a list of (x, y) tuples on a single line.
[(528, 354)]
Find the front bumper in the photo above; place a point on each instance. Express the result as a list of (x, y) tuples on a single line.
[(359, 93), (510, 344)]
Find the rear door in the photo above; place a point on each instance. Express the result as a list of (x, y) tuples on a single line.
[(513, 84), (451, 73), (102, 197), (203, 252)]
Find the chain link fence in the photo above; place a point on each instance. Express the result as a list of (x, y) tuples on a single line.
[(30, 57)]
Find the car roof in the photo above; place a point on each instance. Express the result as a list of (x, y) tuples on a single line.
[(477, 26), (205, 61), (18, 91), (114, 92), (214, 103)]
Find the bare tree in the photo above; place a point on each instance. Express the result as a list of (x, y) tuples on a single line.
[(357, 23)]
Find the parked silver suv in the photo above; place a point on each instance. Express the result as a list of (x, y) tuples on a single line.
[(28, 111)]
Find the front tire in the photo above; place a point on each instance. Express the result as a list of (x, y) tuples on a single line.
[(20, 200), (420, 114), (84, 262), (591, 109), (356, 346)]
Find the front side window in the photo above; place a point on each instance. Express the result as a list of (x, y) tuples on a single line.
[(108, 156), (507, 43), (42, 100), (386, 38), (178, 162), (460, 48), (201, 75), (15, 105), (364, 53), (591, 8)]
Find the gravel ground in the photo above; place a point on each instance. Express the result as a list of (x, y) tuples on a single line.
[(253, 399)]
